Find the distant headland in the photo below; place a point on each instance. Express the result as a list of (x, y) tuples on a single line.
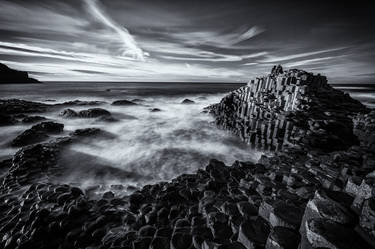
[(12, 76)]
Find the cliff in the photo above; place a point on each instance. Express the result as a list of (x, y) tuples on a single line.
[(11, 76)]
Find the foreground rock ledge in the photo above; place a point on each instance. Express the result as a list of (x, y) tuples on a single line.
[(315, 191)]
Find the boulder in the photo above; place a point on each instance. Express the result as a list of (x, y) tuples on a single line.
[(33, 119), (283, 238), (123, 102), (37, 133), (323, 233), (253, 234), (187, 101), (94, 113)]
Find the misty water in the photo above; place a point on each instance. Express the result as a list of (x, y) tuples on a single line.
[(142, 147)]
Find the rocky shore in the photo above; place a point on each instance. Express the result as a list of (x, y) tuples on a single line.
[(313, 189)]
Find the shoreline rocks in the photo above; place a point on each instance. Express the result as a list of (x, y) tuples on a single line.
[(300, 195), (37, 133)]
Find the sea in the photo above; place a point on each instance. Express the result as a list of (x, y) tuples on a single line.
[(143, 147)]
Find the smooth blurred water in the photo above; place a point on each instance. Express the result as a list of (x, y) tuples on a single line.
[(144, 146), (147, 146)]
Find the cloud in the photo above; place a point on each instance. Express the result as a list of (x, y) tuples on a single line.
[(131, 47), (309, 61), (275, 59), (218, 38), (252, 32), (213, 57)]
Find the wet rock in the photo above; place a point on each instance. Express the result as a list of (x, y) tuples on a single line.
[(323, 233), (16, 106), (288, 216), (37, 133), (33, 119), (69, 113), (283, 238), (187, 101), (89, 113), (181, 241), (123, 102), (7, 120), (94, 113), (253, 234), (87, 132), (160, 243), (80, 103), (367, 217)]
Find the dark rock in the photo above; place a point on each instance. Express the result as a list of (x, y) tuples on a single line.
[(69, 113), (181, 241), (187, 101), (37, 133), (80, 103), (155, 110), (123, 102), (86, 132), (11, 76), (253, 234), (16, 106), (7, 120), (329, 234), (33, 119), (94, 113), (89, 113), (283, 238)]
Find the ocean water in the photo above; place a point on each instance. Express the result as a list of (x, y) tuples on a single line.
[(142, 147)]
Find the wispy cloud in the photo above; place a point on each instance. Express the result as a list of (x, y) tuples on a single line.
[(131, 47), (276, 59), (221, 39), (309, 61)]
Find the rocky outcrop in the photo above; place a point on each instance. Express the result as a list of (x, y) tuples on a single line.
[(187, 101), (89, 113), (290, 107), (11, 76), (37, 133)]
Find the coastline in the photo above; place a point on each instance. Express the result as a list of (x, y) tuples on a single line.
[(301, 196)]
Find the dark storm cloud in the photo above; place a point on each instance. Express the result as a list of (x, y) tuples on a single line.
[(186, 40)]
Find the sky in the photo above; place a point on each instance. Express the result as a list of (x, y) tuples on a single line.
[(198, 41)]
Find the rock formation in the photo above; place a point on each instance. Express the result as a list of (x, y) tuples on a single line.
[(315, 190), (289, 107), (11, 76)]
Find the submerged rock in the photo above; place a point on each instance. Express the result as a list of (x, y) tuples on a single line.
[(7, 120), (33, 119), (187, 101), (16, 106), (89, 113), (123, 102), (94, 113)]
